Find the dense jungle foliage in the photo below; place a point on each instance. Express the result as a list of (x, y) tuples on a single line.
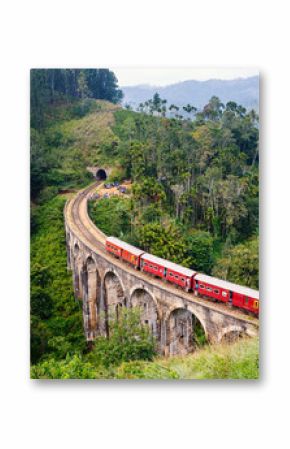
[(194, 200), (195, 187)]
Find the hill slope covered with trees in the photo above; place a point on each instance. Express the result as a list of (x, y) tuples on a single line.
[(195, 187)]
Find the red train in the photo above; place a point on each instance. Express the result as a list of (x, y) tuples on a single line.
[(189, 280)]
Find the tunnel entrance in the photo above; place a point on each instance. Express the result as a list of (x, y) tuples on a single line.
[(101, 175)]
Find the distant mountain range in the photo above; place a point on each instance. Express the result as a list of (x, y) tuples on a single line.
[(244, 91)]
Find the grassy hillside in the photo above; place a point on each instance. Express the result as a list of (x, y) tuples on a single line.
[(239, 360), (88, 134), (74, 137)]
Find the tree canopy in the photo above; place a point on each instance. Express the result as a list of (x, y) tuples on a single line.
[(50, 86)]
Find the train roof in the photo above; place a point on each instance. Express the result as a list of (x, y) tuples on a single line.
[(167, 264), (228, 285), (132, 249)]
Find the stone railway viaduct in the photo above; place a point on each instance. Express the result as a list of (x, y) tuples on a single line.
[(106, 284)]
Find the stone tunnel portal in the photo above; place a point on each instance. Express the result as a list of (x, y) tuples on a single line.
[(101, 175)]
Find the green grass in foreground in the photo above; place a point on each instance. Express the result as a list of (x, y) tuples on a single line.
[(226, 361)]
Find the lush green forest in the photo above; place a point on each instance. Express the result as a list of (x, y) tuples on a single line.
[(195, 187), (194, 200), (55, 86)]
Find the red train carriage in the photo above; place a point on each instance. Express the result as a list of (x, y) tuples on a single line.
[(237, 295), (246, 298), (211, 287), (113, 246), (127, 252), (172, 272)]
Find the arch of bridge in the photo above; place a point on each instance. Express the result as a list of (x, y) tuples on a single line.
[(113, 290), (140, 297), (232, 329)]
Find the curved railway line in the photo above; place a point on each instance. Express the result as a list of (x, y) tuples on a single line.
[(77, 218)]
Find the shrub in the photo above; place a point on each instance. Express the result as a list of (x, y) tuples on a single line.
[(112, 215), (144, 370), (240, 264), (117, 174), (129, 340), (40, 302), (200, 250), (70, 368)]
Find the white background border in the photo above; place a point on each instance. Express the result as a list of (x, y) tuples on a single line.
[(127, 414)]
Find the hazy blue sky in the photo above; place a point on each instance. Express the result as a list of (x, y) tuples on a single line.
[(128, 76)]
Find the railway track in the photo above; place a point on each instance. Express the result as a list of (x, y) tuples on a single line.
[(94, 236), (77, 217)]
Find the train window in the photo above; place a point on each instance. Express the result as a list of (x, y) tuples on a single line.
[(201, 286), (150, 266), (224, 294), (246, 300), (216, 291), (209, 289), (255, 304), (182, 279), (176, 277)]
